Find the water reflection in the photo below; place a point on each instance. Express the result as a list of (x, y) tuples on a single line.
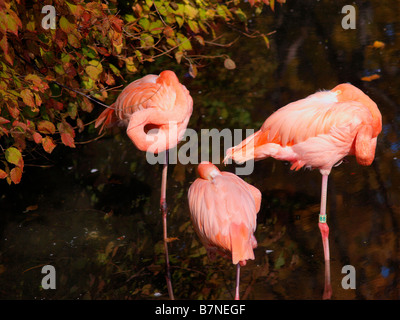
[(101, 229)]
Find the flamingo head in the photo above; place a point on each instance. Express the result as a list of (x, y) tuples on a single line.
[(347, 92), (207, 170)]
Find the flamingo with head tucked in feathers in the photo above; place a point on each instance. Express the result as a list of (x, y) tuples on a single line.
[(317, 132), (224, 211), (156, 110)]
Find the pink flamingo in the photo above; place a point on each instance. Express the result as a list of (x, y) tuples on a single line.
[(224, 211), (317, 132), (156, 110)]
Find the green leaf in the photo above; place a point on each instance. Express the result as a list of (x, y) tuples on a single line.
[(73, 40), (14, 156), (280, 261), (129, 18), (144, 23), (146, 41), (190, 11), (89, 52), (66, 26), (184, 43), (156, 27), (179, 21), (241, 15), (59, 69), (194, 26), (72, 110), (114, 69)]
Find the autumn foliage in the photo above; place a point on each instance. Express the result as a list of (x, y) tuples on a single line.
[(93, 47)]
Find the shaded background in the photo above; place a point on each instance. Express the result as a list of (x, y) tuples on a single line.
[(95, 214)]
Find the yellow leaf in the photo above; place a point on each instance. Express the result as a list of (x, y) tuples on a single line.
[(28, 98), (130, 65), (94, 69)]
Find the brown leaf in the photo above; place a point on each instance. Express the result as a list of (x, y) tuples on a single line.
[(80, 125), (87, 105), (31, 208), (46, 127), (229, 64), (193, 71)]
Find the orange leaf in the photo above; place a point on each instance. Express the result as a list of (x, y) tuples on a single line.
[(371, 77), (378, 44), (3, 174), (37, 137), (28, 98), (12, 110), (3, 120), (67, 134), (68, 140), (16, 175), (48, 144)]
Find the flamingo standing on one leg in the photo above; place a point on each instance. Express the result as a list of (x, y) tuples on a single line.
[(224, 211), (156, 110), (317, 132)]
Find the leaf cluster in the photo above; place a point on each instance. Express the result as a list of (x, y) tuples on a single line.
[(51, 79)]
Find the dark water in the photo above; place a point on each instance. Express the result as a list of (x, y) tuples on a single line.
[(93, 212)]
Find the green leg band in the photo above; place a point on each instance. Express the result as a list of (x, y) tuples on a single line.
[(322, 218)]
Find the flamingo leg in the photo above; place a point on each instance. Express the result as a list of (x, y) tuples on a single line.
[(323, 227), (237, 281), (164, 210)]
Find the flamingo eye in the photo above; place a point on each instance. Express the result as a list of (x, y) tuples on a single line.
[(338, 92)]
